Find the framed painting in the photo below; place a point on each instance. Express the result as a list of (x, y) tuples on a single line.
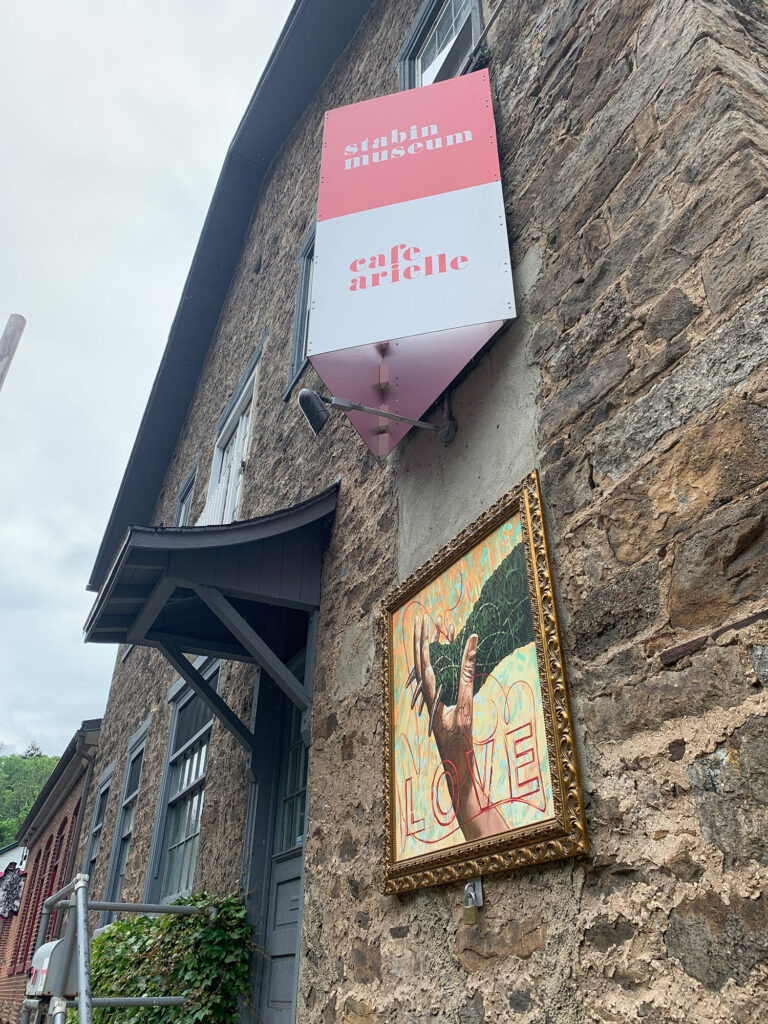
[(480, 766)]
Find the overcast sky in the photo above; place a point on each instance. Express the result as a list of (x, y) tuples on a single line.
[(114, 123)]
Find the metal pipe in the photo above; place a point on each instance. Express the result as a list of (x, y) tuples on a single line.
[(147, 908), (347, 405), (84, 999), (91, 761), (45, 915), (126, 1001), (9, 342), (140, 1001), (57, 1009), (57, 897)]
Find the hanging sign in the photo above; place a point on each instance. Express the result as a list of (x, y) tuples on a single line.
[(411, 258)]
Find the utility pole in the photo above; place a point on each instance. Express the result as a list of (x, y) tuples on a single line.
[(9, 343)]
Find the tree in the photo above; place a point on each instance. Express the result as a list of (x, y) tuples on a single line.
[(22, 776)]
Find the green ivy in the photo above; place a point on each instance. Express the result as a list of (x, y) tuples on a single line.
[(170, 955)]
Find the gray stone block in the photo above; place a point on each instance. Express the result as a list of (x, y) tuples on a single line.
[(616, 611), (731, 790), (758, 655), (741, 267), (673, 312), (725, 359), (715, 941)]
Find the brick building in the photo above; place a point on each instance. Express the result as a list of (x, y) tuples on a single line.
[(632, 140), (51, 831)]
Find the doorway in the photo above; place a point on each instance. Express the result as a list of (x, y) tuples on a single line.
[(285, 889), (277, 824)]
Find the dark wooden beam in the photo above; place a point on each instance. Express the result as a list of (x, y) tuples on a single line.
[(144, 621), (261, 652), (206, 693), (130, 592), (197, 645)]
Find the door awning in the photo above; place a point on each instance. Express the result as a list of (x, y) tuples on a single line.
[(219, 591)]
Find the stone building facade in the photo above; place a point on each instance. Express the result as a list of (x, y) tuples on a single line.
[(633, 138), (51, 832)]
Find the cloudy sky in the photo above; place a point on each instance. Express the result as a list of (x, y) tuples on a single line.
[(114, 122)]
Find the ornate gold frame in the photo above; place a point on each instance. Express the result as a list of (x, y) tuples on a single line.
[(566, 834)]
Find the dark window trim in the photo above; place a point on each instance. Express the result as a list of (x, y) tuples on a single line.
[(405, 61), (299, 345), (179, 694), (104, 783), (187, 484), (245, 376), (136, 745)]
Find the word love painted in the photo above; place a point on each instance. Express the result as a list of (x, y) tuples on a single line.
[(497, 774), (401, 263)]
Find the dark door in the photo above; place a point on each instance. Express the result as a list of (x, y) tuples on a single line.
[(285, 882)]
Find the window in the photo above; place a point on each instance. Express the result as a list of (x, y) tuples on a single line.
[(124, 828), (293, 785), (178, 826), (184, 497), (442, 38), (37, 893), (58, 869), (233, 434), (28, 915), (228, 466), (97, 823), (48, 874), (306, 263)]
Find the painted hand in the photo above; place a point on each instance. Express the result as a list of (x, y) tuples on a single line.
[(452, 729)]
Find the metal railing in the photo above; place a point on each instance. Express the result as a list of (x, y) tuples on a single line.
[(74, 897)]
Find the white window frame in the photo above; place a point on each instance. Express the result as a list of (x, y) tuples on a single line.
[(185, 496), (306, 264), (223, 501), (408, 60)]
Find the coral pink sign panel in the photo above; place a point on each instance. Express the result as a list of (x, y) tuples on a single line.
[(407, 146), (411, 259)]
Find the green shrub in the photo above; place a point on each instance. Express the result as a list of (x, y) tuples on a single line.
[(171, 955)]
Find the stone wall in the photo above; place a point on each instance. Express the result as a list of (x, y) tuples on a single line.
[(632, 141), (633, 144)]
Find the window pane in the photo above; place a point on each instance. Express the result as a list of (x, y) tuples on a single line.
[(300, 806), (101, 808), (293, 783), (192, 718), (128, 813), (122, 860), (453, 21), (134, 774), (184, 829), (171, 881)]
